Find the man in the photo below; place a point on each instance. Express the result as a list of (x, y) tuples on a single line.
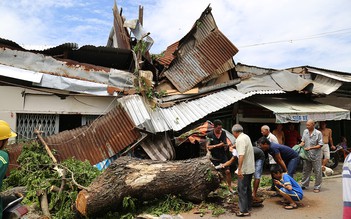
[(259, 157), (5, 134), (246, 168), (327, 141), (217, 145), (312, 141), (287, 187), (259, 161), (292, 136), (265, 131), (279, 133), (286, 158)]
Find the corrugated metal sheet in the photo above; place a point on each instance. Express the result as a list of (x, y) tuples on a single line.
[(25, 75), (340, 76), (224, 68), (325, 85), (209, 55), (217, 48), (285, 81), (201, 52), (261, 83), (64, 70), (337, 75), (181, 115), (168, 56), (159, 147), (248, 71), (104, 138)]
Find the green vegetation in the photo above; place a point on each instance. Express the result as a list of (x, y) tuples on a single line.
[(37, 173), (169, 204)]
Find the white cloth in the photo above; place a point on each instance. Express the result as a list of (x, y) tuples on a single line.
[(274, 139)]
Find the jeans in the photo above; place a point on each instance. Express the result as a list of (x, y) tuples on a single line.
[(245, 193), (292, 165)]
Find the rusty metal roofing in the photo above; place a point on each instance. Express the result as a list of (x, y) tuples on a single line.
[(64, 74), (168, 56), (104, 138), (191, 68), (200, 53), (181, 115)]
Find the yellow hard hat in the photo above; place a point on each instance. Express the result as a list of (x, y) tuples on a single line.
[(5, 131)]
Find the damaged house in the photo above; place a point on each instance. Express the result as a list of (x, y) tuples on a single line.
[(96, 103)]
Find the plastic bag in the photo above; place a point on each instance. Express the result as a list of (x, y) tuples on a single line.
[(301, 152)]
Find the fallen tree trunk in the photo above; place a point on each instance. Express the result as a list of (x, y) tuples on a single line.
[(193, 179)]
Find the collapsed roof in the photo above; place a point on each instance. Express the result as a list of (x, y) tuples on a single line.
[(199, 66)]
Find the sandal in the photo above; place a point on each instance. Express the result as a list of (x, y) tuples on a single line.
[(240, 214), (316, 190), (290, 207), (284, 202)]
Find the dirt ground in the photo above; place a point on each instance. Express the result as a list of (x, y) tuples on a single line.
[(326, 204)]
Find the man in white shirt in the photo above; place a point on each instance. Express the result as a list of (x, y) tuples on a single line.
[(246, 168), (265, 131)]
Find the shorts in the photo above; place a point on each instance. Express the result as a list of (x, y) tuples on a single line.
[(258, 168), (294, 195), (326, 151)]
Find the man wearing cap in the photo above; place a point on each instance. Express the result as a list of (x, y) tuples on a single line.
[(5, 134)]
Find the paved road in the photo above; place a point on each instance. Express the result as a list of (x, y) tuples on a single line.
[(326, 204)]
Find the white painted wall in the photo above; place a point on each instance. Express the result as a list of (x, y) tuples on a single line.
[(21, 100)]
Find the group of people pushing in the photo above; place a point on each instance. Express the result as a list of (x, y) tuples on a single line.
[(283, 161)]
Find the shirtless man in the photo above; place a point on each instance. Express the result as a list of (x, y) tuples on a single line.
[(279, 133), (327, 141)]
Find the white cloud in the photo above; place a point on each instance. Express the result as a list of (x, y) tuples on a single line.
[(244, 22)]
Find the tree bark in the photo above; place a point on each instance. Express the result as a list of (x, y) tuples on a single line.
[(193, 179)]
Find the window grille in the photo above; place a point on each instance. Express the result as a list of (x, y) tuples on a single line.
[(88, 119), (27, 123)]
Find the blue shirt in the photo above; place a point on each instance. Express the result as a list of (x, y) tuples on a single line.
[(285, 152), (288, 180)]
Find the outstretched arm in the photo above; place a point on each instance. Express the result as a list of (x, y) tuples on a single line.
[(279, 160)]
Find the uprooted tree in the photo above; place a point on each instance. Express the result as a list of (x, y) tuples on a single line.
[(192, 179)]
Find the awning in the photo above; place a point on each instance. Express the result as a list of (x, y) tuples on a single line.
[(287, 110)]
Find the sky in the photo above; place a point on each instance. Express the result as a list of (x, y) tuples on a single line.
[(271, 34)]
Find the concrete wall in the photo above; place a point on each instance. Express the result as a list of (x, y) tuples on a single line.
[(20, 100)]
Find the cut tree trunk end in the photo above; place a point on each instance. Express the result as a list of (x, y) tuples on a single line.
[(192, 179)]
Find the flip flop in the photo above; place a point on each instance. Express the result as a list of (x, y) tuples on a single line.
[(284, 202), (240, 214), (316, 190), (290, 207)]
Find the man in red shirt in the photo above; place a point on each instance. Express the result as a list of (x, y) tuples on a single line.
[(292, 136)]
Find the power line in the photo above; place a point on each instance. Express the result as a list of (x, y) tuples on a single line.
[(319, 35)]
